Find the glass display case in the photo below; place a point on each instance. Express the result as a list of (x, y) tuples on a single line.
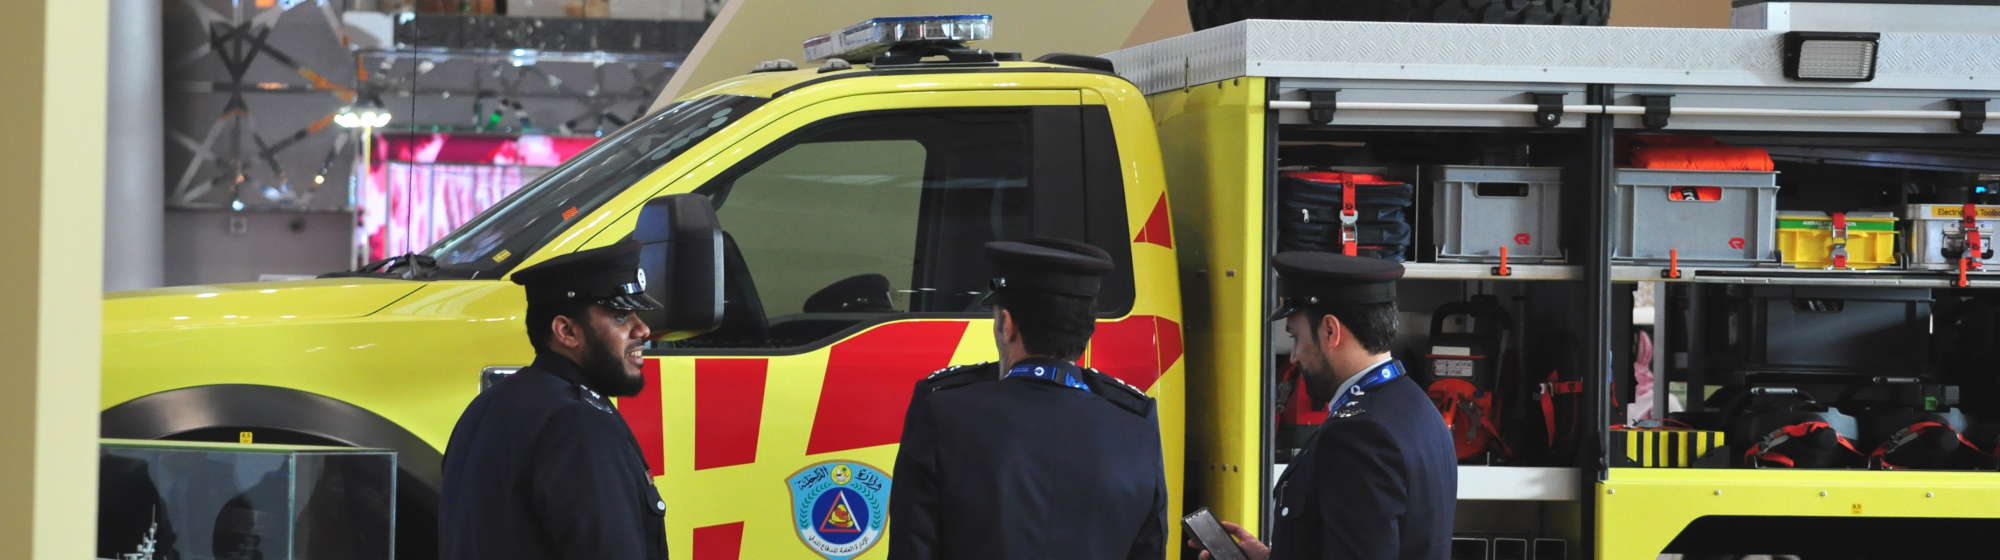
[(224, 501)]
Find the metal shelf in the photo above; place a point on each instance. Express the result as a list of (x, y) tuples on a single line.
[(1540, 484), (1806, 277), (1479, 271), (1520, 484)]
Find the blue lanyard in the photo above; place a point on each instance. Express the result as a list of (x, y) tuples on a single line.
[(1060, 374), (1388, 371)]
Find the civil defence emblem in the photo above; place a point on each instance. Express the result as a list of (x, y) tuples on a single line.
[(839, 507)]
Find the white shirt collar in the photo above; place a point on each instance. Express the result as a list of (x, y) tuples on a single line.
[(1356, 378)]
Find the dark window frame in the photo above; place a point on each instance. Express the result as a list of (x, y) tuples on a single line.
[(1075, 190)]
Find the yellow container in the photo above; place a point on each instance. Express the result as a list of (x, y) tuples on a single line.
[(1805, 239)]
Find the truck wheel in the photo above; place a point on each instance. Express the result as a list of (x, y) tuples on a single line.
[(1210, 13)]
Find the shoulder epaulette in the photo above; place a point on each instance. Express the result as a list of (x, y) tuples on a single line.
[(594, 399), (1349, 410), (1121, 393), (959, 376)]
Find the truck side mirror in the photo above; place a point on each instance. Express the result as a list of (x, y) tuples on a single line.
[(682, 254)]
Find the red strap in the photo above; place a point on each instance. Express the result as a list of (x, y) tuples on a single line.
[(1779, 459), (1549, 407), (1339, 176), (1761, 450), (1349, 217), (1969, 221), (1838, 248), (1487, 423), (1905, 435), (1450, 411)]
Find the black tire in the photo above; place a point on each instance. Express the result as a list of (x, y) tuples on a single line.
[(1210, 13)]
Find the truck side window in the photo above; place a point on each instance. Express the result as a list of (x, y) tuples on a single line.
[(866, 218)]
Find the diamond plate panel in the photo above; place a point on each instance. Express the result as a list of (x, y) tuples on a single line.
[(1536, 54), (1210, 55)]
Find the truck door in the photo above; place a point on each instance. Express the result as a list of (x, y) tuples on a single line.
[(854, 268)]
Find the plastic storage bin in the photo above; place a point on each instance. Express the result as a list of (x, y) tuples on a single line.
[(1714, 218), (1805, 239), (1479, 209), (220, 500), (1934, 231)]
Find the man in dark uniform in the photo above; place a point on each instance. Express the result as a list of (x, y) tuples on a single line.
[(1379, 479), (1034, 456), (540, 465)]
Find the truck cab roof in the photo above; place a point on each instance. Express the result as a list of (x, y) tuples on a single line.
[(771, 84)]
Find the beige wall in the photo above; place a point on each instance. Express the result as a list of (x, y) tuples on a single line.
[(1670, 13), (751, 31), (52, 225), (201, 248)]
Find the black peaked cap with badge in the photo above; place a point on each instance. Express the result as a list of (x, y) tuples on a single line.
[(1310, 279), (607, 275), (1046, 266)]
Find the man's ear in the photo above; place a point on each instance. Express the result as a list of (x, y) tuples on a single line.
[(1009, 332), (1331, 326), (565, 332)]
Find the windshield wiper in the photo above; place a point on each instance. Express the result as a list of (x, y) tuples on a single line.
[(414, 266)]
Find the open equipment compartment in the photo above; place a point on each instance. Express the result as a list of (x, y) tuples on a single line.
[(1231, 100), (1504, 184)]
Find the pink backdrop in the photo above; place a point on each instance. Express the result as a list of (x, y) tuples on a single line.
[(423, 186)]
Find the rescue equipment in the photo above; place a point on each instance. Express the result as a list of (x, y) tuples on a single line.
[(1465, 366), (1784, 427), (1355, 214)]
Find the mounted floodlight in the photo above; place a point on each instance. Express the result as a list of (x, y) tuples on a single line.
[(860, 42), (1831, 56), (364, 115)]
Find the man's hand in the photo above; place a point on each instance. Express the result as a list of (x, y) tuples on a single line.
[(1252, 548)]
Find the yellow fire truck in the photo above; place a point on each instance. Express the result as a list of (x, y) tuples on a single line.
[(853, 193)]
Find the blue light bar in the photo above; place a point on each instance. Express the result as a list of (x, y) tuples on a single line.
[(862, 41)]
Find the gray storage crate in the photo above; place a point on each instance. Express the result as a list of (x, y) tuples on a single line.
[(1476, 210), (1658, 210)]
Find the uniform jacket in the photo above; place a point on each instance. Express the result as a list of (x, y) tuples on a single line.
[(1377, 481), (1021, 468), (540, 466)]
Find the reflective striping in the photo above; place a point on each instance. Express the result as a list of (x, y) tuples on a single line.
[(1667, 447), (642, 414), (1159, 228), (1632, 446), (1136, 350), (728, 408), (1683, 443), (869, 378), (1687, 449), (1645, 449), (718, 542)]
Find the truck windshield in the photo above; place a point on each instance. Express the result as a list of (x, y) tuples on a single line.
[(496, 240)]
